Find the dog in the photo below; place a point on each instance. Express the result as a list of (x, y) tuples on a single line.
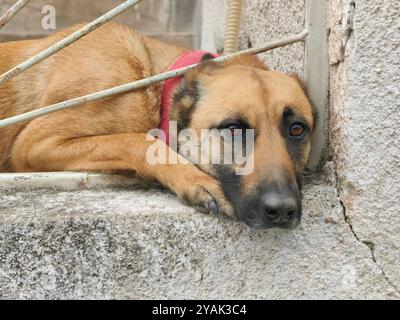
[(111, 135)]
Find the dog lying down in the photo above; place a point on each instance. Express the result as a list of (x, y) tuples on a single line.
[(245, 109)]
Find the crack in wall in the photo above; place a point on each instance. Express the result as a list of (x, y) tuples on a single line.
[(347, 23), (369, 244)]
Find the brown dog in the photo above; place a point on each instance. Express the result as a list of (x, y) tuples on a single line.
[(111, 135)]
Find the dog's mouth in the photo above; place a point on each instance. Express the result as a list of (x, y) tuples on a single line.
[(271, 204)]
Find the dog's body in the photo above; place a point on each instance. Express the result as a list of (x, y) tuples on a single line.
[(110, 135)]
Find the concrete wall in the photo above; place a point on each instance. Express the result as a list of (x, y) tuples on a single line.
[(365, 116), (173, 21), (263, 21)]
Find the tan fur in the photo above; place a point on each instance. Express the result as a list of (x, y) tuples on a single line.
[(110, 135), (245, 86)]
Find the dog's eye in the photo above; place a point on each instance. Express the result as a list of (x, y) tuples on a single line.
[(297, 130), (233, 129)]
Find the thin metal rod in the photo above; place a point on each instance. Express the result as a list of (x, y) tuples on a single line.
[(68, 40), (12, 12), (141, 83)]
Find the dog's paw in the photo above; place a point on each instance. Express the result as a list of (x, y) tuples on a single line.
[(203, 192)]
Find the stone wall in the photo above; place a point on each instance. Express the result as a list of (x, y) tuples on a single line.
[(263, 21), (173, 21), (364, 118)]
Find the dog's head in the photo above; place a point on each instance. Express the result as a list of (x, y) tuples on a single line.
[(266, 117)]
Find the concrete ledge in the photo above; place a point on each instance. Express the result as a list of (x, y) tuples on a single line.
[(64, 181), (137, 244)]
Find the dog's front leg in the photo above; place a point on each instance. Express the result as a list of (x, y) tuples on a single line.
[(120, 152)]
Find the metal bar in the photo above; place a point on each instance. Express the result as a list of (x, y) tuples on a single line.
[(12, 12), (317, 75), (141, 83), (68, 40)]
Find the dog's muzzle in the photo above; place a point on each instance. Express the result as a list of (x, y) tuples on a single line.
[(273, 208)]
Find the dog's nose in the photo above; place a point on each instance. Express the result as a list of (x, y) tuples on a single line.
[(280, 209)]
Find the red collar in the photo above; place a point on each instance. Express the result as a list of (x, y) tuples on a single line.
[(186, 59)]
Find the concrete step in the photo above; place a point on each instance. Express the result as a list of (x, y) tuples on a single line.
[(92, 241)]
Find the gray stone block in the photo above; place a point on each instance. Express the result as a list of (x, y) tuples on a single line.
[(138, 244)]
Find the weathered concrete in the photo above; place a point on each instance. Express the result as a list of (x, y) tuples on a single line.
[(117, 243), (365, 116), (263, 21), (64, 181)]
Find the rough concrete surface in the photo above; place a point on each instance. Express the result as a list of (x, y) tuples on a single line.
[(129, 243), (263, 22), (365, 116)]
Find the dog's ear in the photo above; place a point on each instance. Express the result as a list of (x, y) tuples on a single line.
[(187, 94), (207, 57), (248, 60), (206, 67), (184, 102)]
